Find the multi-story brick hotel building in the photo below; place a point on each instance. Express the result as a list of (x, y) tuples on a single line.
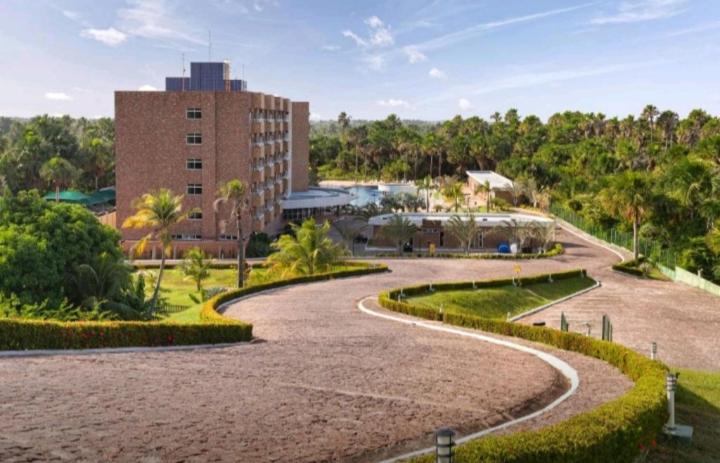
[(202, 131)]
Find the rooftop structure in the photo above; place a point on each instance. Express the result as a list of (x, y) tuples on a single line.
[(497, 181), (206, 77)]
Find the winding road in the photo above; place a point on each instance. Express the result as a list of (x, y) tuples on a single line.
[(326, 382)]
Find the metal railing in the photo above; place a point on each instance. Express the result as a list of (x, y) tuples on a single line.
[(652, 250)]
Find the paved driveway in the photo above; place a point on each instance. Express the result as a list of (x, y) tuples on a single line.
[(327, 382)]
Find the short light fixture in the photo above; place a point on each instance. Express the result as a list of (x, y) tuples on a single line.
[(444, 445)]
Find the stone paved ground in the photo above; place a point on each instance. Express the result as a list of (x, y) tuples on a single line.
[(684, 321), (328, 382)]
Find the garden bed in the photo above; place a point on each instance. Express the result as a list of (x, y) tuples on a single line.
[(615, 431), (212, 327), (498, 302)]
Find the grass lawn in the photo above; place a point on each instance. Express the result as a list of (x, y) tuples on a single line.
[(697, 403), (497, 302), (176, 289)]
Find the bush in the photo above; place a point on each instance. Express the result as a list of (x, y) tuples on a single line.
[(611, 432), (258, 245), (19, 334), (41, 242)]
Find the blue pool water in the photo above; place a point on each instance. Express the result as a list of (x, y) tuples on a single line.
[(365, 195)]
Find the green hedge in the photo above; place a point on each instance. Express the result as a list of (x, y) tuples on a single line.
[(611, 432), (556, 250), (631, 267), (19, 334)]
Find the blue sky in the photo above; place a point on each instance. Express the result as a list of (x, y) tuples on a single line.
[(419, 59)]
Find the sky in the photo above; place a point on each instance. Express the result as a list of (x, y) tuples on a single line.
[(420, 59)]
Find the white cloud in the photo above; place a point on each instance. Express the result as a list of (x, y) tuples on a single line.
[(330, 47), (695, 29), (464, 104), (147, 88), (74, 15), (379, 34), (109, 36), (58, 96), (641, 10), (374, 22), (316, 117), (436, 73), (374, 62), (414, 55), (470, 32), (358, 40), (393, 103), (153, 19)]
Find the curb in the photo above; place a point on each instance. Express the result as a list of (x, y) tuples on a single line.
[(550, 304), (563, 367), (114, 350)]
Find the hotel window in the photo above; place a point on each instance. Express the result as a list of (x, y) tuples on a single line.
[(193, 138), (186, 237), (195, 215), (193, 164), (194, 189), (193, 113)]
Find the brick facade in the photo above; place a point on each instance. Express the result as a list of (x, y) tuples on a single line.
[(245, 136)]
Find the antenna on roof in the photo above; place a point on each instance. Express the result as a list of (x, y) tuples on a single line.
[(183, 73), (209, 46)]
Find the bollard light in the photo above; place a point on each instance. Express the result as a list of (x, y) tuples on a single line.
[(671, 385), (444, 444), (653, 351)]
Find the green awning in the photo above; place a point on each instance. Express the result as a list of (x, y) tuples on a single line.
[(69, 196), (102, 196)]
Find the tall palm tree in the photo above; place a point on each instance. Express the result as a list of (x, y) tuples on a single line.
[(464, 231), (398, 230), (309, 251), (158, 212), (629, 195), (59, 172), (233, 193), (426, 185)]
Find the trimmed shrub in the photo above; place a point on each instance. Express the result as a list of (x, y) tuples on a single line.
[(631, 267), (20, 334), (611, 432)]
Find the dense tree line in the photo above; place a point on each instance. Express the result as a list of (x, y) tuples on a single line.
[(47, 152), (657, 173)]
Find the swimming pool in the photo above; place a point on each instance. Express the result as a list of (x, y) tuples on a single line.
[(364, 195)]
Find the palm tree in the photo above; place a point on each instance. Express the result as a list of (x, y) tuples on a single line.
[(158, 212), (399, 230), (59, 172), (349, 229), (629, 195), (233, 193), (309, 251), (103, 283), (426, 185), (484, 188), (196, 267), (464, 231), (453, 191)]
